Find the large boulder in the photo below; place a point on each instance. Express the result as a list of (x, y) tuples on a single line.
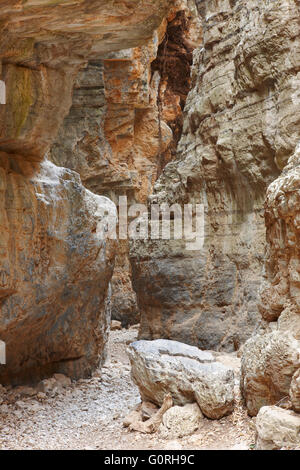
[(271, 358), (189, 374), (277, 428), (56, 263)]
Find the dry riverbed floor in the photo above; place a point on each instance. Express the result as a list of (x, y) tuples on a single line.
[(89, 414)]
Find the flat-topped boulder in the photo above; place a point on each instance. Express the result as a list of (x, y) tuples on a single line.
[(162, 366)]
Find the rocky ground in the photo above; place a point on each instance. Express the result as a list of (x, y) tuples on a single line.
[(89, 414)]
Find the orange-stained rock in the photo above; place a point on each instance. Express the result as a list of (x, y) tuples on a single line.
[(117, 135), (55, 267)]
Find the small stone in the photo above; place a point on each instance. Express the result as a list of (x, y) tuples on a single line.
[(21, 404), (47, 385), (115, 325), (4, 408), (180, 421), (295, 391), (62, 380), (35, 406)]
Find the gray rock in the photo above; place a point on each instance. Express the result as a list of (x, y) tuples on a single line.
[(189, 374)]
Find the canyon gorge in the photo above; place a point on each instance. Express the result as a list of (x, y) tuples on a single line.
[(162, 102)]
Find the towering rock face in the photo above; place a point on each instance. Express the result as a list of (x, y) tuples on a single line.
[(241, 125), (124, 123), (55, 259), (55, 268), (272, 357), (110, 137)]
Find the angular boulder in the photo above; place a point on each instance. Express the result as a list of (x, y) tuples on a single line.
[(277, 428), (161, 366), (272, 357)]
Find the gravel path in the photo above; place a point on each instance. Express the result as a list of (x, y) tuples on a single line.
[(89, 414)]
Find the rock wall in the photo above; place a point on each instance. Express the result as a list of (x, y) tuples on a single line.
[(272, 357), (56, 263), (241, 124), (125, 122)]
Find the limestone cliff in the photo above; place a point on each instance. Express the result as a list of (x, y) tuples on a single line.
[(241, 124), (56, 263), (125, 122)]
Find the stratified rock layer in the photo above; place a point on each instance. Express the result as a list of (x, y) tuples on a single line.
[(42, 47), (117, 134), (241, 125), (190, 375)]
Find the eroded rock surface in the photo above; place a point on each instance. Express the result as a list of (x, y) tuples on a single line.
[(277, 428), (55, 264), (42, 47), (181, 421), (241, 125), (295, 391), (190, 375), (125, 122), (272, 357)]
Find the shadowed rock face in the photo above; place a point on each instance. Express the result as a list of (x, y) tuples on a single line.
[(241, 125), (55, 261), (189, 374)]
